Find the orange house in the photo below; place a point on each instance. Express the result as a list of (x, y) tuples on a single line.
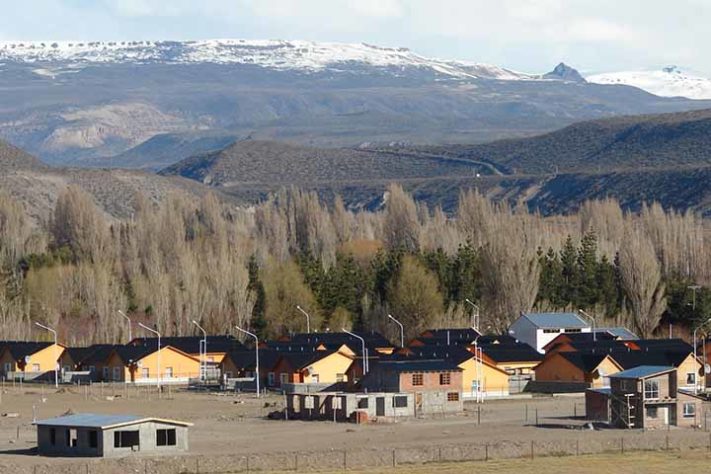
[(145, 364), (29, 360), (310, 367), (591, 369)]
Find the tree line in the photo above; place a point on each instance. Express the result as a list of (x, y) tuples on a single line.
[(178, 260)]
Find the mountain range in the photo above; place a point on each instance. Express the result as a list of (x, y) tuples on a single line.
[(670, 81), (110, 103)]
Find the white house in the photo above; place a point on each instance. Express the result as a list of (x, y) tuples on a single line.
[(538, 329)]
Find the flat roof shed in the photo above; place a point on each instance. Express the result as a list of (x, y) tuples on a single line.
[(89, 434)]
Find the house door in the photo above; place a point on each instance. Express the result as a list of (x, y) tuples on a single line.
[(664, 415), (380, 406), (418, 403)]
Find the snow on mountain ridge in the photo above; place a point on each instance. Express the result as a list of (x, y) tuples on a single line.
[(670, 81), (275, 54)]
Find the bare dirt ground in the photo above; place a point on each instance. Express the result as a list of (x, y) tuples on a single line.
[(235, 425)]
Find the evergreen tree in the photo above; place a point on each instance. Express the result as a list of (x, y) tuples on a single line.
[(587, 291), (569, 273), (258, 322)]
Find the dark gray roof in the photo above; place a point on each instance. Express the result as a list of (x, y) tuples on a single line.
[(422, 365), (619, 332), (191, 344), (556, 320), (520, 352), (643, 371), (91, 420), (20, 349)]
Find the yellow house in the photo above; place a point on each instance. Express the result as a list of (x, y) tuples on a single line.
[(145, 364), (310, 367), (689, 371), (29, 360), (216, 346)]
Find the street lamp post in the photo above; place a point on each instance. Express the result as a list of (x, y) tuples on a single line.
[(695, 359), (203, 352), (592, 321), (475, 318), (308, 319), (365, 350), (130, 336), (256, 354), (56, 367), (157, 334), (402, 330)]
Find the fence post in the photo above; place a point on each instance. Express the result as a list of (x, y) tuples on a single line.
[(478, 414), (575, 410), (667, 442), (531, 449), (536, 416), (197, 465), (394, 461), (296, 461), (345, 460), (486, 452), (622, 445), (526, 414), (577, 447)]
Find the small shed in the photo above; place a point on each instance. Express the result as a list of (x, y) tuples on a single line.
[(88, 434)]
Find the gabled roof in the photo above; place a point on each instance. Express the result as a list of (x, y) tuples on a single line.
[(453, 334), (246, 359), (520, 352), (418, 365), (642, 372), (90, 420), (372, 339), (618, 332), (585, 362), (456, 354), (93, 354), (191, 344), (20, 349), (300, 361), (660, 358), (556, 320)]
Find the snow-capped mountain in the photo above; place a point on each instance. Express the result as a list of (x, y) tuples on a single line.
[(667, 82), (281, 55)]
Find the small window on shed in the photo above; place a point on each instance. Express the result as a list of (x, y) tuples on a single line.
[(165, 437), (93, 439), (445, 378), (689, 410), (453, 397), (400, 401), (52, 436), (72, 437), (362, 403), (418, 379)]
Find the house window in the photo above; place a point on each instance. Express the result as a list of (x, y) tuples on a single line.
[(628, 386), (651, 412), (362, 403), (445, 378), (8, 367), (72, 437), (93, 439), (314, 378), (106, 373), (400, 401), (169, 372), (651, 389), (689, 410), (145, 373), (340, 378), (52, 436), (690, 378), (284, 378), (165, 437), (453, 396), (309, 402), (551, 331), (117, 373), (573, 330), (35, 367), (92, 369), (270, 378), (126, 439), (418, 379)]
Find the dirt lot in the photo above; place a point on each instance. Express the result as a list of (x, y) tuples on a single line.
[(234, 425)]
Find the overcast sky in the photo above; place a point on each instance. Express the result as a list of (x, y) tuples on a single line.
[(527, 35)]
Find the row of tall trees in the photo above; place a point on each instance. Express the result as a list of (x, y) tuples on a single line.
[(178, 260)]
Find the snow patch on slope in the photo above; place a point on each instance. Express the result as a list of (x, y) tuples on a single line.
[(273, 54), (667, 82)]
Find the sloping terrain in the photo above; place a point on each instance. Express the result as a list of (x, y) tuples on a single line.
[(37, 186), (624, 143), (257, 162), (73, 103)]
